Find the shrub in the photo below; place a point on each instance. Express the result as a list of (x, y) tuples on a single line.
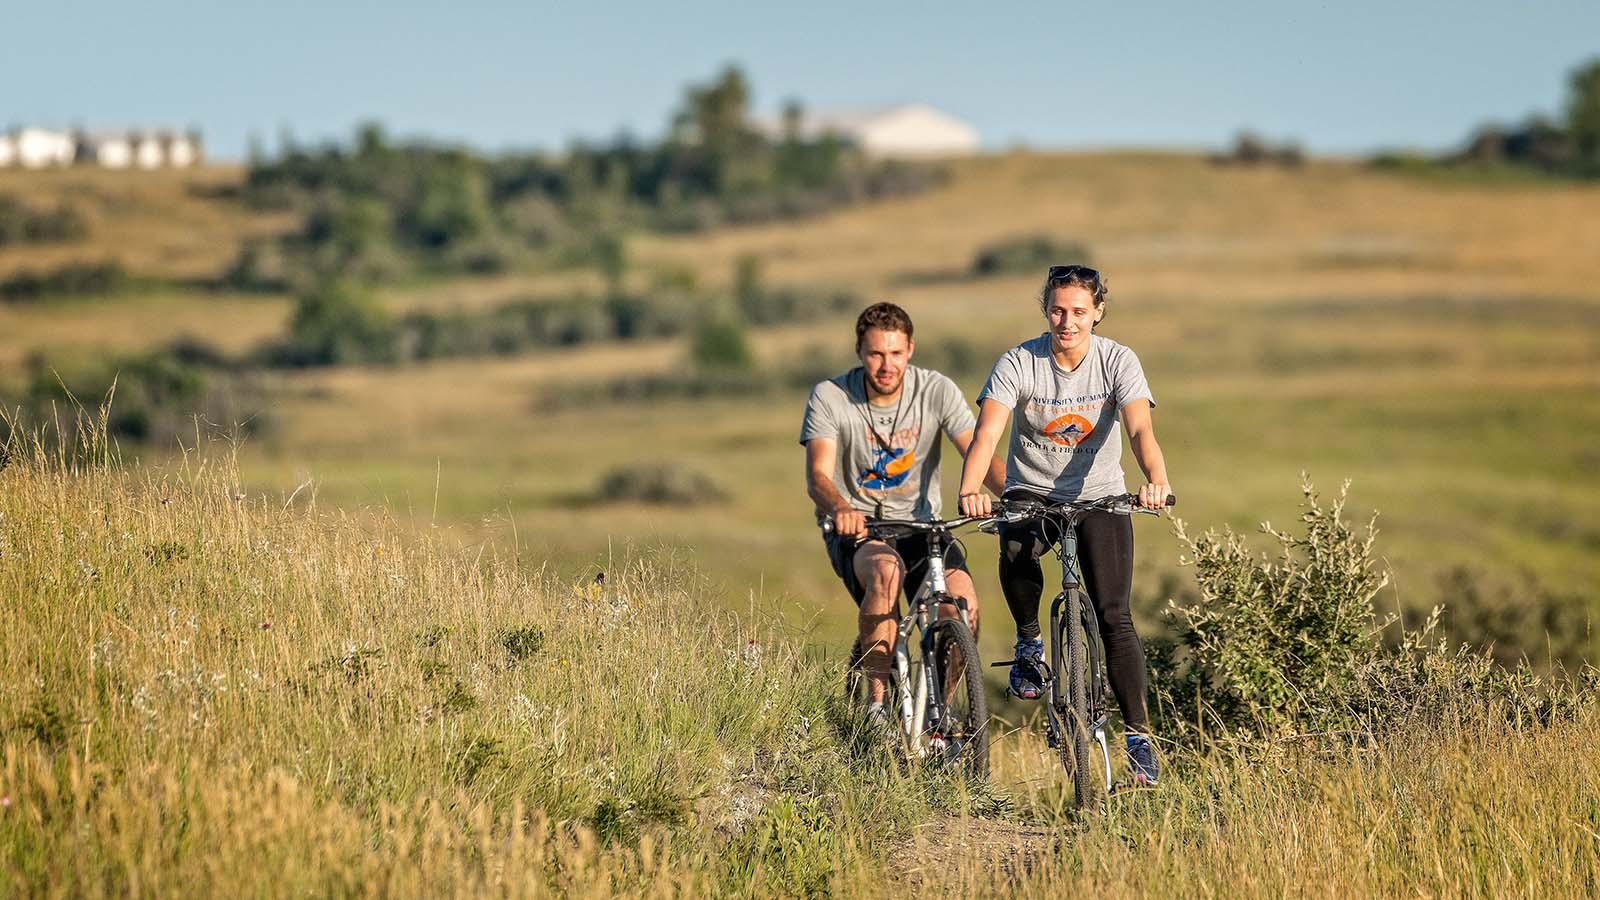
[(721, 343), (1293, 645), (76, 279), (22, 223), (1027, 255), (337, 322), (1272, 645), (156, 398), (664, 484)]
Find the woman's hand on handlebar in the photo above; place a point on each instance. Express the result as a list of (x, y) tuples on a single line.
[(1154, 495), (848, 522), (976, 504)]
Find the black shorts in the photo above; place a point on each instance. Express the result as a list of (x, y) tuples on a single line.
[(913, 551)]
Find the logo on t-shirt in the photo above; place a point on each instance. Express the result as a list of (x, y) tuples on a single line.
[(1069, 430), (889, 468)]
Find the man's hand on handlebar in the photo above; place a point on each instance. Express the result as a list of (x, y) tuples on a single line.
[(849, 522), (976, 504), (1154, 496)]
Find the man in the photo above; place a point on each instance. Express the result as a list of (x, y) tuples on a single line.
[(872, 449)]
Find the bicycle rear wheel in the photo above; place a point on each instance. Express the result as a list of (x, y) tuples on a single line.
[(1070, 697), (962, 734)]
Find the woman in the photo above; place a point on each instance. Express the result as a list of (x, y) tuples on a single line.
[(1068, 388)]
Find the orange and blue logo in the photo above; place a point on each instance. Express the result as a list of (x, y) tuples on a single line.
[(890, 468), (1069, 430)]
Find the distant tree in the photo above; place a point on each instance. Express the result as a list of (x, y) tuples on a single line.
[(371, 140), (747, 287), (721, 343), (611, 258), (794, 118), (452, 205), (338, 322), (1583, 116), (718, 110)]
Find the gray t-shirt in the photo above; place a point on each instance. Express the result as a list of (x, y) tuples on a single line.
[(1064, 439), (901, 471)]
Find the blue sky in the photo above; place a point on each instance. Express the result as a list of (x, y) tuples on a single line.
[(1340, 77)]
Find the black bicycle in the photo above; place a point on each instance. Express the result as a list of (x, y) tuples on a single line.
[(1078, 708), (937, 692)]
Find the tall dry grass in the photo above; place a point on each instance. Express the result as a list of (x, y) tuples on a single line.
[(204, 692)]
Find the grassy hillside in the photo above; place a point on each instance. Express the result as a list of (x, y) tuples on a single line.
[(204, 690), (1436, 342)]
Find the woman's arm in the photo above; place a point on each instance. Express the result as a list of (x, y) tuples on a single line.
[(992, 418), (1136, 420)]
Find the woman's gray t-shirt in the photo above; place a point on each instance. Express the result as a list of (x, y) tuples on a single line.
[(1064, 439), (901, 472)]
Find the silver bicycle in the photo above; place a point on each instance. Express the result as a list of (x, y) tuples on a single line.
[(935, 687)]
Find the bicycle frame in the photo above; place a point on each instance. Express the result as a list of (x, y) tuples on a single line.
[(1098, 712), (925, 702)]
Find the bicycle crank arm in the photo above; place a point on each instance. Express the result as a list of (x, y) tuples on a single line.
[(1105, 752)]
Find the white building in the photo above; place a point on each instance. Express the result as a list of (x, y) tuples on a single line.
[(111, 149), (141, 149), (37, 148), (912, 130)]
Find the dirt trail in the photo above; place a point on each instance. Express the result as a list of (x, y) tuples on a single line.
[(990, 849)]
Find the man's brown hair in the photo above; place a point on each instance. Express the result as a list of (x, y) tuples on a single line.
[(886, 316)]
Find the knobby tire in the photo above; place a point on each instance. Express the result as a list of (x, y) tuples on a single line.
[(1071, 660), (954, 645)]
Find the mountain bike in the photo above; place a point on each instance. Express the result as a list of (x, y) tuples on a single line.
[(1078, 689), (935, 689)]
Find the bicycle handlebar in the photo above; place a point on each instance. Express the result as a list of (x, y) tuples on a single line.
[(1011, 511), (1122, 504), (912, 525)]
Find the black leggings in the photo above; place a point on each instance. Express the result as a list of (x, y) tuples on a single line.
[(1105, 556)]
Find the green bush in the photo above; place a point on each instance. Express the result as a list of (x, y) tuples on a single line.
[(1291, 644), (156, 398), (78, 279), (22, 223), (336, 322), (721, 343), (1027, 255), (663, 484)]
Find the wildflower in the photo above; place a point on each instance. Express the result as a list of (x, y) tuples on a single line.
[(5, 801)]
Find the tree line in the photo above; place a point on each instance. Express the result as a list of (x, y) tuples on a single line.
[(379, 209)]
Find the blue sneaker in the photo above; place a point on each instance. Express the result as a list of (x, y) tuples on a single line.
[(1142, 761), (1027, 670)]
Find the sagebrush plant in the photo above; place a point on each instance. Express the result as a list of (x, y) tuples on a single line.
[(1292, 644)]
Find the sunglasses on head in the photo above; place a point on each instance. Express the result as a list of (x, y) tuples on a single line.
[(1074, 271)]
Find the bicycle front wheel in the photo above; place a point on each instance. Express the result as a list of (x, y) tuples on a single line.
[(961, 734), (1070, 698), (855, 679)]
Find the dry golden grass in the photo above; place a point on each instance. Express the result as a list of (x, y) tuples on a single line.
[(208, 691), (167, 223), (1437, 342)]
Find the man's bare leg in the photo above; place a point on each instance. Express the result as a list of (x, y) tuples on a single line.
[(879, 570)]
